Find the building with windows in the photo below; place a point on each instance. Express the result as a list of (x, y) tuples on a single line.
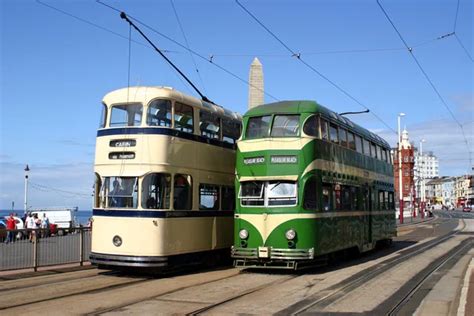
[(463, 190), (440, 191), (426, 168), (408, 164)]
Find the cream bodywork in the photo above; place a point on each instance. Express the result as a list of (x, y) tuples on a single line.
[(159, 236), (154, 153)]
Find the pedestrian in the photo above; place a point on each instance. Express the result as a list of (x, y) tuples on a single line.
[(36, 226), (45, 226), (30, 225), (11, 227)]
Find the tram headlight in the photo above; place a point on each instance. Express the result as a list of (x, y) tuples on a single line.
[(117, 240), (290, 234), (243, 234)]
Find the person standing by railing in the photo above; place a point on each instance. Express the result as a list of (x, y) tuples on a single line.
[(11, 227), (45, 226)]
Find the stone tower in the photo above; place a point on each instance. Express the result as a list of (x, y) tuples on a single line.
[(255, 84)]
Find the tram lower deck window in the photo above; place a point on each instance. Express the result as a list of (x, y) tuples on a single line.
[(120, 192), (268, 193)]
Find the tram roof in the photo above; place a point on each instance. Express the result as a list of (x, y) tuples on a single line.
[(144, 94), (309, 106)]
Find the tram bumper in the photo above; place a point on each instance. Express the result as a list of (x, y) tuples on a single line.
[(269, 257), (129, 261)]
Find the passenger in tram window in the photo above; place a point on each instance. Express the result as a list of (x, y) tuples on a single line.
[(116, 193)]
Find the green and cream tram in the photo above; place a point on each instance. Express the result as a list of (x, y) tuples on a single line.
[(164, 179), (309, 182)]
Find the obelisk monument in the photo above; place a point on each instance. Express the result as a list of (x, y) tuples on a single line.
[(255, 83)]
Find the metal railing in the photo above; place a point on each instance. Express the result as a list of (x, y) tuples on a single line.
[(33, 248)]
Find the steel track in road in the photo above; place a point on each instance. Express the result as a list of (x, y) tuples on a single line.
[(245, 293), (337, 291), (407, 299), (117, 307)]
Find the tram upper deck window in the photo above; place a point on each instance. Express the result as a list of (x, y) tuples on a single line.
[(156, 189), (373, 150), (183, 118), (351, 140), (251, 193), (285, 126), (311, 126), (230, 131), (358, 144), (159, 113), (209, 125), (333, 136), (126, 115), (103, 116), (366, 147), (121, 192), (343, 137), (324, 130), (258, 127)]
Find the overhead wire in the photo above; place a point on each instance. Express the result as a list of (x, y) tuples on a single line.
[(298, 56), (455, 34), (190, 50), (410, 50), (187, 45), (45, 188), (96, 25)]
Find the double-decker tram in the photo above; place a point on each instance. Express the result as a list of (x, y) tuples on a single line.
[(164, 180), (310, 182)]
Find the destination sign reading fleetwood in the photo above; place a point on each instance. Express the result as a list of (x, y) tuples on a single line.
[(273, 159)]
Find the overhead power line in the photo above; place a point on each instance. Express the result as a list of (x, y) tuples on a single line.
[(428, 79), (190, 50), (97, 25), (187, 44), (298, 56)]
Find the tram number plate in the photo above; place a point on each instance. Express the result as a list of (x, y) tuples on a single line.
[(263, 252)]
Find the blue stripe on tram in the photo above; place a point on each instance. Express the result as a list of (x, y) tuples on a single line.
[(163, 131), (160, 214)]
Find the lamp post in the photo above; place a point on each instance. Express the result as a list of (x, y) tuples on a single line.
[(422, 186), (400, 187), (27, 169)]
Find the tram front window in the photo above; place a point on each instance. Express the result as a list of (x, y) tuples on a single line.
[(156, 189), (272, 193), (285, 126), (258, 127), (126, 115), (251, 193), (281, 193), (121, 192)]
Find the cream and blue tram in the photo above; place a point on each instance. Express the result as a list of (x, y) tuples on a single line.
[(164, 179)]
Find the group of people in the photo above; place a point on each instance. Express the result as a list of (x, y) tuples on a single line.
[(32, 223)]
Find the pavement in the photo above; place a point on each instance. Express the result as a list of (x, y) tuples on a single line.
[(457, 300)]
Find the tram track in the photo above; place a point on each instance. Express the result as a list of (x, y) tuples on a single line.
[(337, 291), (407, 299), (33, 299)]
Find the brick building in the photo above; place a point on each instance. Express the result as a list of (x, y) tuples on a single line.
[(408, 164)]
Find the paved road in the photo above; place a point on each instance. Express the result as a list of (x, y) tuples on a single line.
[(372, 283)]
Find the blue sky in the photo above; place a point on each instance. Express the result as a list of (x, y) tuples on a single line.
[(55, 69)]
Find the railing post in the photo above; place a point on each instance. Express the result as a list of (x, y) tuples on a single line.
[(35, 251), (81, 245)]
